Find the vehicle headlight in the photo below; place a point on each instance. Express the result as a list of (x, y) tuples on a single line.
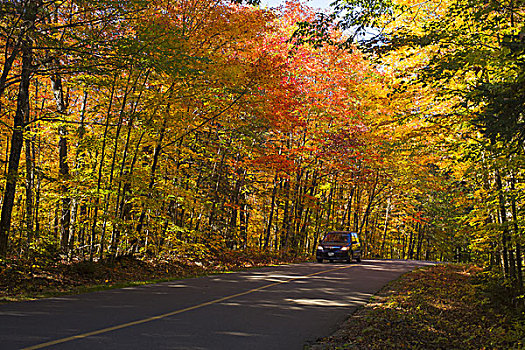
[(320, 248), (345, 248)]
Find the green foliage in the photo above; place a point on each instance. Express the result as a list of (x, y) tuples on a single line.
[(44, 251)]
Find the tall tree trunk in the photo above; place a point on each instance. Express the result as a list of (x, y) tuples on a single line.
[(124, 208), (218, 175), (298, 209), (517, 235), (347, 225), (109, 184), (17, 138), (286, 217), (308, 213), (330, 202), (79, 160), (8, 64), (243, 222), (236, 208), (65, 211), (411, 240), (272, 208), (357, 208), (364, 221), (385, 229), (156, 154), (404, 240), (38, 187), (420, 236), (121, 196), (6, 160), (99, 179), (30, 182), (503, 221)]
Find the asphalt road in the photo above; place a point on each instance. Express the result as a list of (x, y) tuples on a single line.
[(267, 308)]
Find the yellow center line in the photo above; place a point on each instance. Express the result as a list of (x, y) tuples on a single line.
[(176, 312)]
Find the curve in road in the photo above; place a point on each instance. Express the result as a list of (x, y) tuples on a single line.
[(267, 308)]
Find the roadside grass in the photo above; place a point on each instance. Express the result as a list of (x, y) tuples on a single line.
[(21, 281), (445, 306)]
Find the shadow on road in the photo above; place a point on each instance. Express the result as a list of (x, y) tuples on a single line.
[(264, 308)]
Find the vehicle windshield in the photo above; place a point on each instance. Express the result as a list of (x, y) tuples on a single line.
[(335, 237)]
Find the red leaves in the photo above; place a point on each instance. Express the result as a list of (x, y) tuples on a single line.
[(343, 142), (277, 162)]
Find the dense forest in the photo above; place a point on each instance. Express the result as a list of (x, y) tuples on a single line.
[(189, 127)]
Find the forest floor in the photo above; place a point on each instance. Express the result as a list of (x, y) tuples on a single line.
[(442, 307), (20, 280)]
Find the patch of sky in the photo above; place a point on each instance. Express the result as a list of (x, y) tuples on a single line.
[(317, 4), (324, 6)]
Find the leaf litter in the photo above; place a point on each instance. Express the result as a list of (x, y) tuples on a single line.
[(446, 306)]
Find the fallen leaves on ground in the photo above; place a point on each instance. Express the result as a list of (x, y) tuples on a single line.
[(442, 307), (20, 281)]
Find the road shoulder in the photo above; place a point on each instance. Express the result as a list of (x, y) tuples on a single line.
[(439, 307)]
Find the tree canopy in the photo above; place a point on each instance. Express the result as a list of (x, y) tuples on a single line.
[(188, 128)]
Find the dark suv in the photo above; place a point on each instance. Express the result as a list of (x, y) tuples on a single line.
[(339, 245)]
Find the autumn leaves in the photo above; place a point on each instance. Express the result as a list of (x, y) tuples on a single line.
[(189, 127)]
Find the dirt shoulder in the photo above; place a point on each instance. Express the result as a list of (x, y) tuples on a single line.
[(441, 307)]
